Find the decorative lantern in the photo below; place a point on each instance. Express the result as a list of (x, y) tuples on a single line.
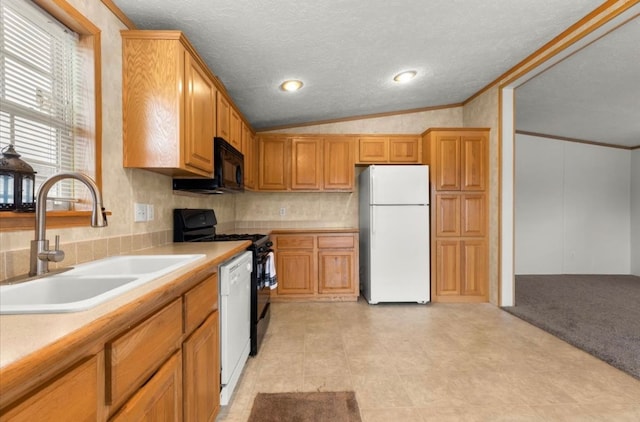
[(17, 182)]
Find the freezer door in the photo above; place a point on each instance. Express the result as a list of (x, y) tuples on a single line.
[(399, 185), (399, 254)]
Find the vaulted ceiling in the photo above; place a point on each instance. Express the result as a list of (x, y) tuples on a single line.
[(347, 52)]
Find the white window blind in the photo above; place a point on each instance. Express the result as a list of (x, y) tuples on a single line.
[(40, 103)]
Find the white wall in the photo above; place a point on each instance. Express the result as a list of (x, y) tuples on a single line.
[(635, 212), (572, 208)]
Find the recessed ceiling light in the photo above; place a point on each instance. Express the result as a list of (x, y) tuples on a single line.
[(405, 76), (291, 85)]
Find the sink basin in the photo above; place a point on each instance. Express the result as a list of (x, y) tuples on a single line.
[(88, 285)]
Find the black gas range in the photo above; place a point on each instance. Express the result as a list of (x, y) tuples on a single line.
[(199, 225)]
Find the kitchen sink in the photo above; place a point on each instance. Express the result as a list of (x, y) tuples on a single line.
[(133, 265), (87, 285)]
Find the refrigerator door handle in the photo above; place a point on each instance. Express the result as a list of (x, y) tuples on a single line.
[(372, 182), (373, 221)]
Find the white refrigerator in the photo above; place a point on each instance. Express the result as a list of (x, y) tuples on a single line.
[(394, 233)]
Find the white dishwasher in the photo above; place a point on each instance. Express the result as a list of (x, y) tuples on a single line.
[(235, 317)]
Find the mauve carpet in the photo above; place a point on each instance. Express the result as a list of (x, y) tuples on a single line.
[(305, 407), (599, 314)]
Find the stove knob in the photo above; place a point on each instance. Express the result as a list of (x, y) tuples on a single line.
[(269, 244)]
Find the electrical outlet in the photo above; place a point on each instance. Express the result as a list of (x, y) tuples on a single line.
[(139, 212), (283, 212), (150, 212)]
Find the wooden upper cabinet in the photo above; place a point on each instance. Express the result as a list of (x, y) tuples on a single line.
[(459, 159), (306, 164), (448, 158), (474, 162), (235, 129), (200, 111), (223, 117), (273, 166), (373, 150), (404, 149), (338, 164), (167, 128), (250, 163)]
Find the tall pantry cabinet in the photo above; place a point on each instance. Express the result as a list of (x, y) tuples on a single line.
[(458, 165)]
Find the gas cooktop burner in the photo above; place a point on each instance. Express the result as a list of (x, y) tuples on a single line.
[(244, 236)]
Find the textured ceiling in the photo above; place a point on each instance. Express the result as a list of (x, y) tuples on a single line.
[(593, 95), (347, 51)]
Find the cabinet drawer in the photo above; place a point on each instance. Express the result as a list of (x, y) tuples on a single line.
[(199, 302), (294, 242), (160, 399), (325, 242), (72, 397), (135, 355)]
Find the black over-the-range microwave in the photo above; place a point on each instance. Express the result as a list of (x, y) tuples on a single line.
[(228, 172)]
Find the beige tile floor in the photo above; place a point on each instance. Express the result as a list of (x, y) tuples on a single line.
[(436, 362)]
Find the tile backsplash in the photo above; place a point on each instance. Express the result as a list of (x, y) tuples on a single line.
[(16, 263)]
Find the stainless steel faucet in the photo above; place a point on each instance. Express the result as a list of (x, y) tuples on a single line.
[(40, 253)]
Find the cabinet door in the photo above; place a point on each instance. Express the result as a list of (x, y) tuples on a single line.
[(235, 129), (200, 116), (447, 162), (152, 106), (474, 162), (338, 164), (474, 268), (249, 151), (202, 372), (473, 215), (447, 215), (160, 399), (71, 397), (133, 356), (306, 163), (223, 113), (336, 271), (373, 150), (273, 162), (447, 267), (404, 150), (295, 271)]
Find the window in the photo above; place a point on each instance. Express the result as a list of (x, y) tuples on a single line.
[(39, 81), (49, 92)]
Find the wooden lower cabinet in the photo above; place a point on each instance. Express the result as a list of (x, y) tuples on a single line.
[(461, 269), (202, 372), (72, 396), (162, 368), (335, 271), (316, 266), (160, 399), (296, 272)]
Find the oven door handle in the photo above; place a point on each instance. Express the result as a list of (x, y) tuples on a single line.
[(265, 255)]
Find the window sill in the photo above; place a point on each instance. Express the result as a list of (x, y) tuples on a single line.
[(16, 221)]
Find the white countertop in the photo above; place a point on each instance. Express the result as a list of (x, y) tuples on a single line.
[(23, 335)]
